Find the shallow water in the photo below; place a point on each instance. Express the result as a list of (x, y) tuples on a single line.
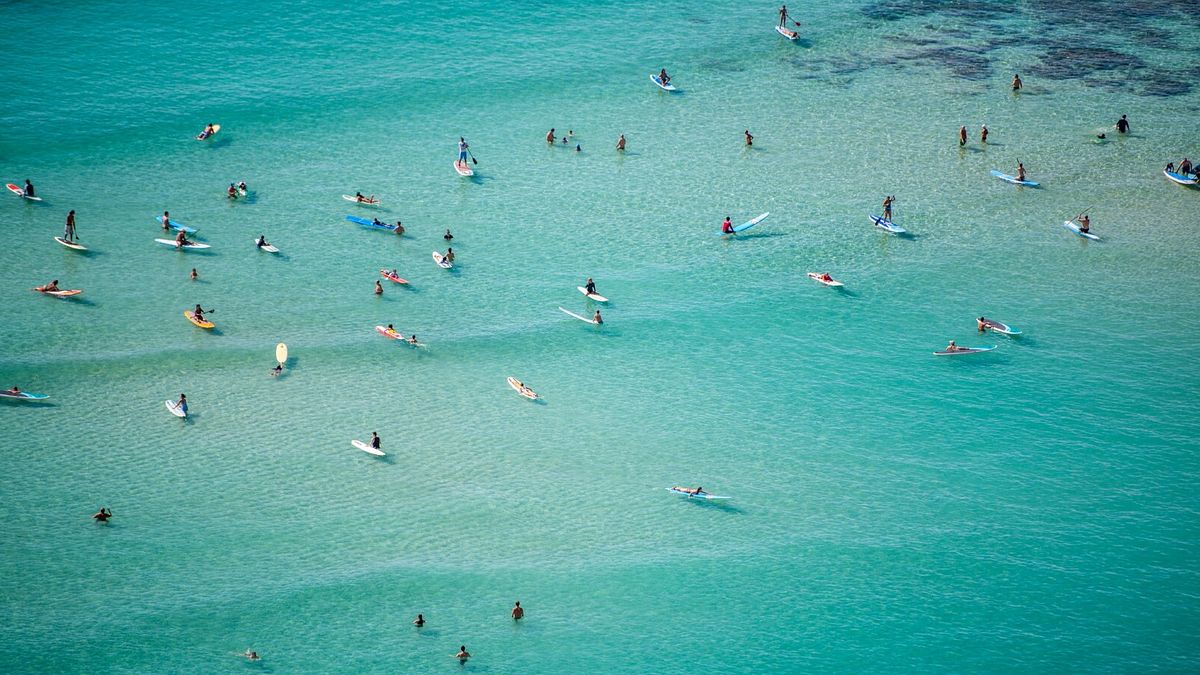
[(1027, 509)]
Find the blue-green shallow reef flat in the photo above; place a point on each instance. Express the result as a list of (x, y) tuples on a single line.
[(1033, 509)]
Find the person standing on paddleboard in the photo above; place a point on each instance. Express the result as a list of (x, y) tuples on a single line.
[(69, 229), (783, 15), (29, 189), (887, 206), (462, 150)]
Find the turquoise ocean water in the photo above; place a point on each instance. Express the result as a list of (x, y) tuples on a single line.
[(1032, 509)]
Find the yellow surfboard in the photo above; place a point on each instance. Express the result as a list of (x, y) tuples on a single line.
[(281, 353), (203, 324)]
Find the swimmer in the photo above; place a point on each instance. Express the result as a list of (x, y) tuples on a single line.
[(14, 391), (597, 319), (447, 236), (962, 135), (1016, 83), (983, 134), (102, 515), (621, 143), (412, 340), (517, 612), (277, 370), (462, 654), (232, 192), (1123, 125), (399, 228), (378, 288), (251, 655), (419, 621), (449, 257), (550, 136), (578, 148), (749, 138), (194, 275)]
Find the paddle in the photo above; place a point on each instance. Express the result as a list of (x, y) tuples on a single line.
[(475, 161)]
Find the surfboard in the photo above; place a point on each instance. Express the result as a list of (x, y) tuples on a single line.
[(658, 83), (24, 396), (441, 262), (702, 495), (178, 227), (746, 225), (581, 318), (60, 294), (392, 277), (998, 327), (207, 325), (964, 350), (463, 168), (1013, 179), (175, 410), (593, 296), (817, 278), (281, 353), (193, 245), (20, 192), (367, 448), (371, 223), (1181, 178), (522, 390), (268, 248), (367, 201), (201, 137), (887, 225), (789, 34), (1075, 228), (70, 244)]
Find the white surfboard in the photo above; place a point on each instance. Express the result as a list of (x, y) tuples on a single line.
[(171, 243), (70, 244), (367, 448), (268, 248), (367, 202), (441, 261), (281, 353), (581, 318), (594, 296), (175, 409)]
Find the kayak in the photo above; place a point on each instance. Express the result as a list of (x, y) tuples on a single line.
[(441, 261), (172, 244), (665, 87), (201, 137), (746, 225), (281, 353), (522, 389), (20, 192), (268, 247), (60, 294), (1075, 228), (701, 495), (175, 410), (207, 325), (175, 226), (1181, 178), (24, 396), (884, 224), (70, 244), (365, 201), (581, 318), (787, 33), (1013, 179), (366, 448), (964, 350), (593, 296), (817, 278), (371, 223), (463, 168), (388, 275), (998, 327)]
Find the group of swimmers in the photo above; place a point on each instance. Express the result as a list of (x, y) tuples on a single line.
[(235, 190), (578, 147)]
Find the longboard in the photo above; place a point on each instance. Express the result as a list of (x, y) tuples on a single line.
[(175, 409), (593, 296), (570, 313), (367, 448), (70, 244)]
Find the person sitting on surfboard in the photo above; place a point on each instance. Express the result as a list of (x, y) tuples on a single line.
[(449, 257), (262, 241), (69, 229), (887, 206), (727, 226), (102, 515), (590, 286), (597, 319), (181, 404), (251, 655), (663, 77), (825, 277), (1020, 171), (982, 324), (375, 440), (29, 189), (447, 236), (954, 348), (52, 286), (182, 240), (198, 313)]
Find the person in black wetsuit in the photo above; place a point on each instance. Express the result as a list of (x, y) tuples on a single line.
[(1123, 125), (29, 189), (590, 287)]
